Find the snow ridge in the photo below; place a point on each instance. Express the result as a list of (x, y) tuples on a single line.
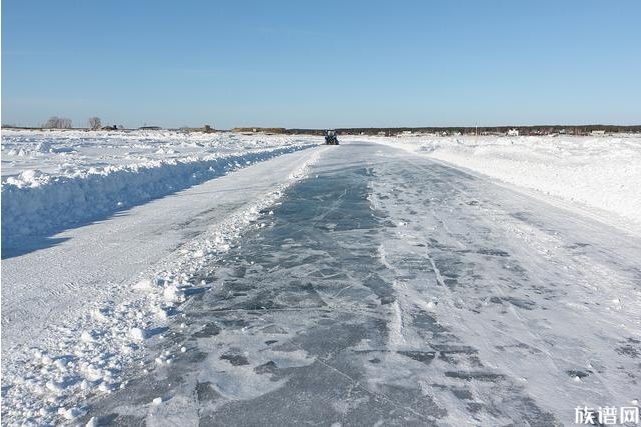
[(599, 175), (35, 203)]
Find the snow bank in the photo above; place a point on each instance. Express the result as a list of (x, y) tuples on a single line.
[(601, 173), (53, 180)]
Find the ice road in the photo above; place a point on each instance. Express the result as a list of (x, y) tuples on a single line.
[(389, 289)]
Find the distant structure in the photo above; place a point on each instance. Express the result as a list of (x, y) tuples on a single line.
[(564, 129), (513, 132), (267, 131), (150, 128), (598, 133)]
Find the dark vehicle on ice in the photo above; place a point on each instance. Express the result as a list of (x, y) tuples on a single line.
[(331, 138)]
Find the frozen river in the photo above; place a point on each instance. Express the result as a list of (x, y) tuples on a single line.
[(387, 289)]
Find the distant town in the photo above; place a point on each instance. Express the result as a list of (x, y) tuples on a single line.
[(453, 131)]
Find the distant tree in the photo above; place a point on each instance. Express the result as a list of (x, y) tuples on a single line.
[(55, 122), (94, 123), (52, 123)]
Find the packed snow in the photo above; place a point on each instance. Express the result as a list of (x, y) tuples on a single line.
[(506, 290), (599, 173)]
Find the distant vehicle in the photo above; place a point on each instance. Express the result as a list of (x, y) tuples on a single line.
[(331, 138)]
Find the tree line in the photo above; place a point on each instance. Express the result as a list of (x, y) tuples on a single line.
[(56, 122)]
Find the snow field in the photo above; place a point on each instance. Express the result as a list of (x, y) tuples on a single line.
[(91, 355), (113, 174), (600, 173)]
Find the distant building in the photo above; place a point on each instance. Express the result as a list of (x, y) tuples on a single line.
[(598, 133), (513, 132)]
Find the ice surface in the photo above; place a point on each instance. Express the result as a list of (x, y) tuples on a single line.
[(386, 289), (357, 284)]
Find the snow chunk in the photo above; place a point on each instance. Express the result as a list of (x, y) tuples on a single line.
[(138, 334), (144, 285), (87, 337), (71, 413), (56, 387), (173, 294), (44, 147)]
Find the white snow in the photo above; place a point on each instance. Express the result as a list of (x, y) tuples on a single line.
[(600, 174), (596, 304), (77, 314), (51, 180)]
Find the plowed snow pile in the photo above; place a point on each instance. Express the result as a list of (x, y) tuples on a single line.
[(601, 173), (52, 180)]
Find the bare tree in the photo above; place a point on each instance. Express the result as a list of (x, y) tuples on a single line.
[(52, 123), (94, 123), (55, 122)]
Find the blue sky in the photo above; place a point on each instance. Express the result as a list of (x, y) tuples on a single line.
[(321, 64)]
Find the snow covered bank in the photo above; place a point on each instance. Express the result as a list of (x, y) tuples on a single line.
[(87, 348), (53, 180), (602, 173)]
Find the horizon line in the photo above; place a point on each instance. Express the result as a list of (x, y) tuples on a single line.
[(13, 126)]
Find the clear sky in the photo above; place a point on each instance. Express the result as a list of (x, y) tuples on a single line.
[(322, 64)]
